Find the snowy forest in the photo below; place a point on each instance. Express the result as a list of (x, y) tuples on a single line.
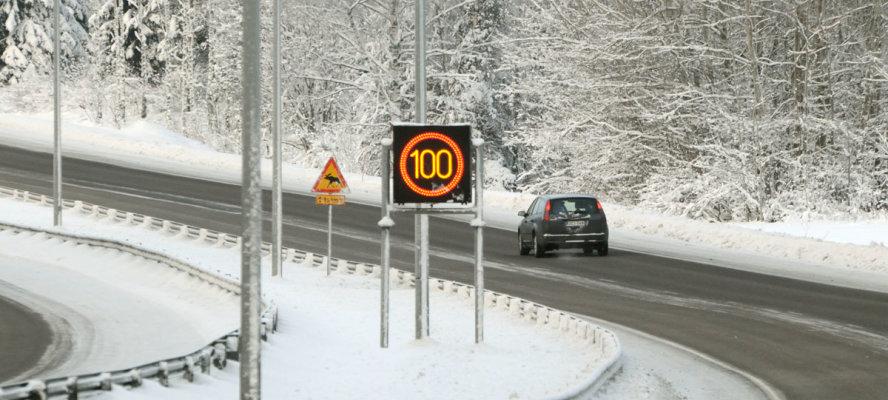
[(725, 110)]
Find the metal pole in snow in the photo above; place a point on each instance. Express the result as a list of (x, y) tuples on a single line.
[(478, 224), (421, 221), (251, 199), (277, 157), (329, 238), (56, 116), (386, 223)]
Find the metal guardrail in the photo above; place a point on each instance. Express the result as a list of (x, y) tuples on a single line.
[(215, 354), (542, 315)]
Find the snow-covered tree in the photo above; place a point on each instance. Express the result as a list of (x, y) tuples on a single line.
[(126, 41), (183, 52), (26, 37), (469, 71), (716, 109), (223, 74)]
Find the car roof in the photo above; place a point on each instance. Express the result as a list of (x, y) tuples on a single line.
[(565, 196)]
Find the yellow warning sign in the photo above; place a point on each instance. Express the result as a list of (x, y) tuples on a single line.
[(329, 200), (331, 179)]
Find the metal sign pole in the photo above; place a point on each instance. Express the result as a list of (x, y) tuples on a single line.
[(251, 198), (329, 238), (386, 223), (277, 158), (478, 224), (421, 229), (56, 116)]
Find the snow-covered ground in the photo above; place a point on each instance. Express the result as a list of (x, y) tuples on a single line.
[(841, 253), (108, 309), (866, 232), (656, 369), (327, 345)]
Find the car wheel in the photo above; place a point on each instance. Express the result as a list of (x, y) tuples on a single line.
[(539, 249), (522, 249), (602, 249), (588, 249)]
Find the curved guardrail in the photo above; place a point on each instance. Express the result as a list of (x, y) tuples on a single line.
[(605, 340), (214, 354)]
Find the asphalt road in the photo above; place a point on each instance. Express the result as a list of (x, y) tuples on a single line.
[(810, 341), (24, 337)]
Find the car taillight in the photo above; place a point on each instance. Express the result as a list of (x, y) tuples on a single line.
[(548, 209), (598, 205)]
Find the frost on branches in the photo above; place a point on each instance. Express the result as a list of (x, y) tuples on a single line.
[(718, 109), (721, 110), (26, 37), (127, 43)]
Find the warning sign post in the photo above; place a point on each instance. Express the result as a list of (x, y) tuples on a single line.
[(330, 183)]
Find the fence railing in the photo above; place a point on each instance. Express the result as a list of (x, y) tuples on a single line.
[(215, 354)]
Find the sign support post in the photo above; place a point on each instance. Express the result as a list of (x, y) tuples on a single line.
[(330, 183), (329, 237), (56, 116), (386, 224), (421, 221), (478, 224)]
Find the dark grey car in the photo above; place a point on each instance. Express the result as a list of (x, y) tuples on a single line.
[(563, 221)]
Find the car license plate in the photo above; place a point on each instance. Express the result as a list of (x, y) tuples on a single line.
[(576, 224)]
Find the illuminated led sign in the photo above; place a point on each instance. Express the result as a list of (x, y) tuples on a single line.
[(432, 164)]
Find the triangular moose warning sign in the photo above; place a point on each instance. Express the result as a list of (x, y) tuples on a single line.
[(331, 180)]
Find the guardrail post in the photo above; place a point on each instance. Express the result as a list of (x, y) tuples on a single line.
[(105, 382), (36, 390), (220, 357), (135, 377), (189, 369), (204, 360), (71, 388), (163, 373)]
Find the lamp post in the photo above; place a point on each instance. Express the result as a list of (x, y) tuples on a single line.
[(56, 116)]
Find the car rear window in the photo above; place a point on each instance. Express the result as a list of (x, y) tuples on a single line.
[(573, 207)]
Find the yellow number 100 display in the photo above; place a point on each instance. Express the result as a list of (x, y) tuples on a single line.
[(438, 168), (435, 160)]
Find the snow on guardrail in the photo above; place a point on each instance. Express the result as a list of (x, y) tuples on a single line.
[(566, 323)]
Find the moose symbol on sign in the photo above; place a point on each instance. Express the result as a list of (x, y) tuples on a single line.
[(332, 179)]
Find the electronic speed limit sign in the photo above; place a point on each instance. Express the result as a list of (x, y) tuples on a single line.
[(432, 164)]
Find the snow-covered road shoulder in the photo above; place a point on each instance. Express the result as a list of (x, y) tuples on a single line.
[(327, 343)]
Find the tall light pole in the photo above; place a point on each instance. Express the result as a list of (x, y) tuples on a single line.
[(421, 221), (277, 157), (251, 199), (56, 116)]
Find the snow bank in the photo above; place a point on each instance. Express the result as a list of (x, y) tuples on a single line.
[(867, 232), (819, 259), (327, 344)]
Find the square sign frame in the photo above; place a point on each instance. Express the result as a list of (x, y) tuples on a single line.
[(432, 167)]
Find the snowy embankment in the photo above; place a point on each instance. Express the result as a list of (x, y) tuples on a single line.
[(327, 343), (842, 253)]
